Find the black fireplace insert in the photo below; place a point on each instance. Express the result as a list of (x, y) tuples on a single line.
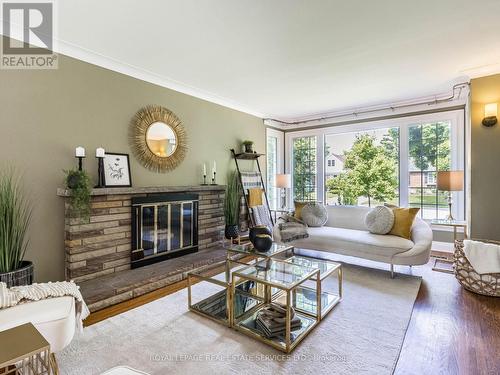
[(164, 226)]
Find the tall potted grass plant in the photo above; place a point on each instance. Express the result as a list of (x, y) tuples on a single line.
[(15, 217)]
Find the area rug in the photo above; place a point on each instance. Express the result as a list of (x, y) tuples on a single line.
[(362, 335)]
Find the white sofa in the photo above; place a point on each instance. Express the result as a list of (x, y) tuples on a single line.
[(345, 233)]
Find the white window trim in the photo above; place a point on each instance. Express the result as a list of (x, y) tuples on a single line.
[(280, 153), (459, 153)]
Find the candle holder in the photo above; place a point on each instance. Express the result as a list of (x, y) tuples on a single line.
[(100, 172), (213, 179), (80, 162), (204, 180)]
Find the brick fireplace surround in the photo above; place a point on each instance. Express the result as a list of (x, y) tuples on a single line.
[(97, 251)]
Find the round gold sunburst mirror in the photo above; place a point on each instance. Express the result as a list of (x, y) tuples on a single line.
[(157, 138)]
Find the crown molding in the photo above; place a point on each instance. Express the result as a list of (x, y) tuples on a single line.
[(482, 70), (106, 62)]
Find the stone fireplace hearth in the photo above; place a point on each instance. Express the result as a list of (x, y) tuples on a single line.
[(102, 245)]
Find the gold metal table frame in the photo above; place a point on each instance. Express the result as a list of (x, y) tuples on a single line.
[(24, 351), (308, 319), (236, 286)]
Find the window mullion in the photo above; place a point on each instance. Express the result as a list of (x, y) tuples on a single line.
[(403, 167), (320, 170)]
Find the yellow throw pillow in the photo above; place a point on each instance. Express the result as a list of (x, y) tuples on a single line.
[(254, 197), (298, 209), (403, 221)]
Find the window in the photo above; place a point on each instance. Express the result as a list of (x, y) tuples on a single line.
[(272, 166), (304, 168), (430, 179), (368, 168), (394, 161), (429, 151)]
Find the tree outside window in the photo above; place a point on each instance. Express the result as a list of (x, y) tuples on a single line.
[(304, 168), (370, 171)]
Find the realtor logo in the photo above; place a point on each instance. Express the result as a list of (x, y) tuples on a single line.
[(28, 30)]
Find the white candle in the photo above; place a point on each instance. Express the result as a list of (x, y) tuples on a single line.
[(204, 169), (215, 167), (99, 152), (80, 152)]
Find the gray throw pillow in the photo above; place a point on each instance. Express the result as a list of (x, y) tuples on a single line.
[(379, 220), (314, 215)]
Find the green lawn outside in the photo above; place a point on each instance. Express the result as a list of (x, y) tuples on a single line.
[(427, 200)]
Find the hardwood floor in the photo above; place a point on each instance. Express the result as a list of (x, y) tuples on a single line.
[(451, 331)]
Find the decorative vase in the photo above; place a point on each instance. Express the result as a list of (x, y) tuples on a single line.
[(22, 276), (249, 148), (231, 231), (262, 242), (258, 229)]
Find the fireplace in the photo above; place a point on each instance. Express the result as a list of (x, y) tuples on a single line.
[(163, 226)]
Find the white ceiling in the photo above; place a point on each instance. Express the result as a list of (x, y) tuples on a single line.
[(288, 59)]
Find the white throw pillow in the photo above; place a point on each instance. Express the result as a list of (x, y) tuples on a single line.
[(314, 215), (379, 220)]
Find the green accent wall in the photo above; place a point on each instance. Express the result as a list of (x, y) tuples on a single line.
[(485, 161), (45, 114)]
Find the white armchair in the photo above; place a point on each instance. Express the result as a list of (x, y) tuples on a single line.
[(54, 318)]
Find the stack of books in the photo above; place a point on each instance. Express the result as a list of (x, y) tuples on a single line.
[(271, 320)]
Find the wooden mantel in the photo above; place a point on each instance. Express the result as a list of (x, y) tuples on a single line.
[(145, 190)]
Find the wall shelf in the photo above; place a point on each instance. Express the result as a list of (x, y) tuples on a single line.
[(247, 156)]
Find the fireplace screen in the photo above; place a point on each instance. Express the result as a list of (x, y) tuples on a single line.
[(163, 226)]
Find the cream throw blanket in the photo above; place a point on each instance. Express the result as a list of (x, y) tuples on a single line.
[(484, 257), (35, 292)]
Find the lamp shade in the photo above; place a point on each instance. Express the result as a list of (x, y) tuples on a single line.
[(450, 180), (283, 181), (490, 110)]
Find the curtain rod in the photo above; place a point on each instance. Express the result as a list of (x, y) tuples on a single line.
[(460, 86)]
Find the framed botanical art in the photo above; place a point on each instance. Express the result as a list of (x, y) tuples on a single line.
[(117, 170)]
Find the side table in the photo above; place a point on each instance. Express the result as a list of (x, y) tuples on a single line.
[(455, 224), (23, 350), (276, 211)]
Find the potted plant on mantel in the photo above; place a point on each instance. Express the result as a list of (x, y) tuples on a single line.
[(15, 214), (232, 206), (81, 188)]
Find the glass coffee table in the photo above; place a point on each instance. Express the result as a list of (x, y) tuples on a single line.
[(216, 304), (287, 278), (329, 299), (247, 250), (237, 289)]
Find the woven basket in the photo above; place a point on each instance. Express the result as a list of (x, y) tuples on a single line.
[(486, 284), (21, 276)]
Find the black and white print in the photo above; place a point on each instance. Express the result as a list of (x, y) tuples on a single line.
[(117, 170)]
